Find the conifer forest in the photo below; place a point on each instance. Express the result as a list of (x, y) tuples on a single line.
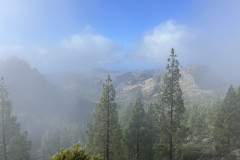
[(119, 80)]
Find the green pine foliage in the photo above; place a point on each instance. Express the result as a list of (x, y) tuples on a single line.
[(134, 133), (171, 110), (226, 130), (56, 138), (13, 143), (104, 135), (151, 132), (197, 121), (190, 127), (50, 143)]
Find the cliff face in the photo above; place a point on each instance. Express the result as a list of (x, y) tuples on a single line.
[(196, 80)]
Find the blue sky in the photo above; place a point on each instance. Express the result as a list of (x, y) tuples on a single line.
[(71, 35), (47, 21)]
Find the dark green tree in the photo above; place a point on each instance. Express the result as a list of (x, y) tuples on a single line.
[(104, 135), (226, 128), (14, 144), (134, 132), (151, 131), (170, 108), (125, 118), (197, 121), (236, 121)]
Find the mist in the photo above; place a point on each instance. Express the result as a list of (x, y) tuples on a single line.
[(210, 36), (56, 56)]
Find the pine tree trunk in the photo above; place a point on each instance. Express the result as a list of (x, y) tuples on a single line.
[(171, 142), (138, 145), (107, 156), (150, 151), (170, 153), (129, 153), (108, 125), (171, 121)]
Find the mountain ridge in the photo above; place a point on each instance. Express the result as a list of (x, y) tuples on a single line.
[(43, 101), (38, 103), (196, 80)]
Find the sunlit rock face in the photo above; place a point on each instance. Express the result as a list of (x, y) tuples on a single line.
[(196, 80)]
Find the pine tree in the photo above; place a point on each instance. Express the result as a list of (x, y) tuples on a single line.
[(135, 130), (236, 118), (226, 128), (55, 138), (170, 108), (197, 121), (105, 130), (128, 144), (14, 145), (150, 131), (50, 143)]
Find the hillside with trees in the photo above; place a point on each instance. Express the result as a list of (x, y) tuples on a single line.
[(176, 113)]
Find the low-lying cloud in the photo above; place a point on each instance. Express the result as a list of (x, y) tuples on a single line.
[(78, 52), (156, 44), (89, 49)]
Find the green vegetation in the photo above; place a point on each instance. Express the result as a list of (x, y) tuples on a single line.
[(173, 123), (200, 127), (134, 132), (63, 137), (13, 143), (75, 153), (104, 135), (226, 132), (170, 109)]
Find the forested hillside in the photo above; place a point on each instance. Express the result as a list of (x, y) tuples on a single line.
[(41, 106), (119, 80), (54, 109)]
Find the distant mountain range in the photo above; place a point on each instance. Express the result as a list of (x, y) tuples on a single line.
[(196, 80), (43, 101)]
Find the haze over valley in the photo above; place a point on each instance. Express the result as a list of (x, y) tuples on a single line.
[(117, 80), (42, 101)]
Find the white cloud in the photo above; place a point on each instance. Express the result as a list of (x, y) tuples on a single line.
[(78, 52), (88, 49), (91, 47), (156, 44)]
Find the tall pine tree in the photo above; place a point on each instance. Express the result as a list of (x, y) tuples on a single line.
[(14, 145), (104, 135), (226, 127), (170, 108), (134, 132), (150, 131)]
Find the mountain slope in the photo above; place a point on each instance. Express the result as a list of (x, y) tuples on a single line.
[(39, 104), (41, 101), (196, 80)]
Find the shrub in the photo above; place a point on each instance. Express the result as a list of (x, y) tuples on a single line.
[(74, 153)]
